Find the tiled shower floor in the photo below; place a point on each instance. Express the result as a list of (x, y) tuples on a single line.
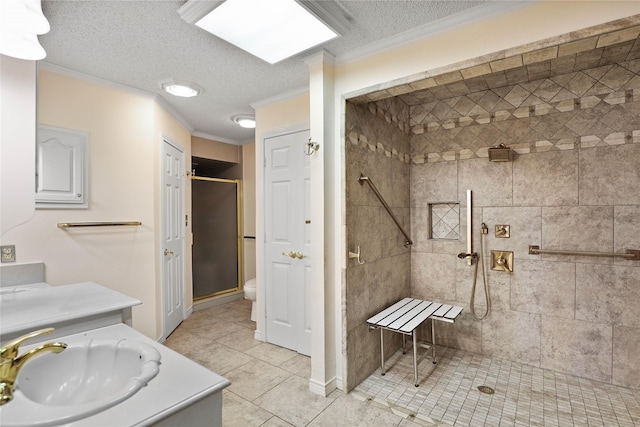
[(524, 395)]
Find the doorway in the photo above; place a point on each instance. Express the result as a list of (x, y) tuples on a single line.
[(288, 241), (217, 236), (173, 235)]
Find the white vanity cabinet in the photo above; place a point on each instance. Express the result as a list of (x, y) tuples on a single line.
[(62, 158), (68, 309), (182, 393)]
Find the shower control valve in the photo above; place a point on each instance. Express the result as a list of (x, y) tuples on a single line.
[(503, 231), (502, 261)]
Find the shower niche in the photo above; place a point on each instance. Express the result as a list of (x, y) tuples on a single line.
[(444, 221)]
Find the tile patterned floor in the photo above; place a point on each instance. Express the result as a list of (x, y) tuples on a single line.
[(524, 395), (269, 386)]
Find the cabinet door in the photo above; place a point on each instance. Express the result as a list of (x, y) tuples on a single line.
[(61, 168)]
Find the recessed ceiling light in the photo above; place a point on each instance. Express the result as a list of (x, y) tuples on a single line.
[(185, 90), (272, 30), (244, 120)]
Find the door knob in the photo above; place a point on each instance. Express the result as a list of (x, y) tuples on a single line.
[(293, 254), (168, 252)]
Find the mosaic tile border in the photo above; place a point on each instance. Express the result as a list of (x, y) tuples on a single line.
[(583, 142), (572, 104), (588, 101), (377, 147)]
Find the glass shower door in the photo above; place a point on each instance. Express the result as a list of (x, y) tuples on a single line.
[(217, 244)]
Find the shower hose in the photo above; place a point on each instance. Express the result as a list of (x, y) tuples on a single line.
[(484, 280)]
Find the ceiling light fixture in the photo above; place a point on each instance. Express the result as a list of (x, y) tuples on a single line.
[(184, 90), (271, 30), (21, 21), (244, 120)]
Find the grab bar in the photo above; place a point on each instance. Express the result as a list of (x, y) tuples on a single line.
[(630, 254), (97, 224), (408, 242)]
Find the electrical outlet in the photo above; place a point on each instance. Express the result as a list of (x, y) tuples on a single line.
[(8, 253)]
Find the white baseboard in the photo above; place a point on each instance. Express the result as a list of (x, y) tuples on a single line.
[(323, 389), (188, 312)]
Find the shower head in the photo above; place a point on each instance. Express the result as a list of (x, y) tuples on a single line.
[(500, 153), (463, 255)]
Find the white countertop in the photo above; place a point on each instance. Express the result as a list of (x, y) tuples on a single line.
[(35, 309), (179, 383)]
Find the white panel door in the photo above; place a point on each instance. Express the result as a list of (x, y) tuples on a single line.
[(173, 236), (288, 243)]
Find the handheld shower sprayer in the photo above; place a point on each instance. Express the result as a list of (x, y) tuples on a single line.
[(473, 256)]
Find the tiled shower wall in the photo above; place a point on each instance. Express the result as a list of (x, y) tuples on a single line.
[(572, 185), (380, 151)]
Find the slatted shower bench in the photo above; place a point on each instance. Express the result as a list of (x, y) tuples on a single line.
[(405, 317)]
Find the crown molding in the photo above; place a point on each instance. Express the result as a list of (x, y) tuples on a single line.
[(217, 138), (322, 57)]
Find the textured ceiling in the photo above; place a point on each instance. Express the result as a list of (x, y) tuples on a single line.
[(142, 43)]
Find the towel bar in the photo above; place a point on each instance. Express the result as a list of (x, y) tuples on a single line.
[(97, 224), (630, 254)]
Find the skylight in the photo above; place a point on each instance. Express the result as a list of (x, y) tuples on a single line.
[(272, 30)]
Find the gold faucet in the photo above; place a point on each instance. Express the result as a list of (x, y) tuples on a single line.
[(11, 363)]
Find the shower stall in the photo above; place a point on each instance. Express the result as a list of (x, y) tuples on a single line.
[(551, 179), (217, 236)]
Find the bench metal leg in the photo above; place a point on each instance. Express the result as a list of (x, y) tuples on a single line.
[(415, 357), (382, 351), (404, 348), (433, 342)]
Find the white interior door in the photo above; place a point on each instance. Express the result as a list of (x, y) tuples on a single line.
[(288, 242), (173, 236)]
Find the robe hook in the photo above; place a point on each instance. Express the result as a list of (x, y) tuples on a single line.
[(312, 147)]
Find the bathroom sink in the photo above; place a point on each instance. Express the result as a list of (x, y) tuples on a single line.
[(81, 381)]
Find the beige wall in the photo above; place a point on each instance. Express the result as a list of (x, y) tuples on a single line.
[(124, 155), (249, 208), (209, 149)]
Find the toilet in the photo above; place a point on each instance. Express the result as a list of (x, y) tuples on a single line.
[(250, 294)]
